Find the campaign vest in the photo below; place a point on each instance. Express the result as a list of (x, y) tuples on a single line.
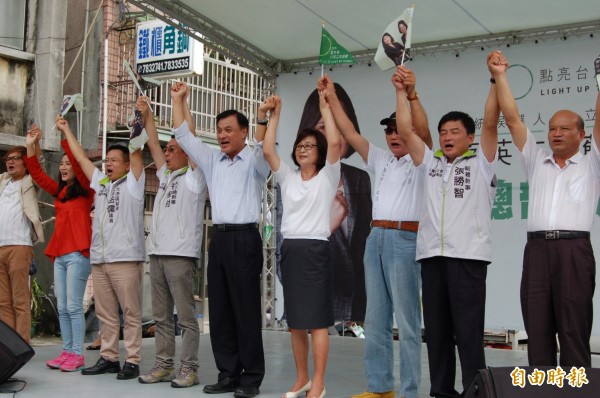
[(177, 219), (118, 225), (457, 214)]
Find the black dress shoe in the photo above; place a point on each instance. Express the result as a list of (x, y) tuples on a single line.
[(246, 392), (228, 384), (129, 371), (102, 366)]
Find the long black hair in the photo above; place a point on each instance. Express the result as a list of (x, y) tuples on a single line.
[(74, 191), (312, 113)]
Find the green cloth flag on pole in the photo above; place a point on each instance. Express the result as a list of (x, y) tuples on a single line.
[(332, 53)]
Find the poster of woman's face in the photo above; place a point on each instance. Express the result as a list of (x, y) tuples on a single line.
[(392, 50)]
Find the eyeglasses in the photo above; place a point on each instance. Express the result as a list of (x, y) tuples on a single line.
[(111, 160), (306, 147), (390, 130), (13, 158)]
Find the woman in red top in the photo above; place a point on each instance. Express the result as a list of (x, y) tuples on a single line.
[(69, 246)]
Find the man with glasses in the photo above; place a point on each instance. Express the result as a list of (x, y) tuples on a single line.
[(393, 278), (235, 175), (117, 252), (174, 247), (20, 229)]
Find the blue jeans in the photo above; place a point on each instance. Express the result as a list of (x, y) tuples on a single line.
[(393, 282), (71, 273)]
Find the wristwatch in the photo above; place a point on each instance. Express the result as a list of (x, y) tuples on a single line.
[(262, 122), (413, 98)]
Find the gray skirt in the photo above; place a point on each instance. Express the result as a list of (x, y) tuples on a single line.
[(306, 275)]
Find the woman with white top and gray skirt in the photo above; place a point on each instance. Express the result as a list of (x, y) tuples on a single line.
[(307, 194)]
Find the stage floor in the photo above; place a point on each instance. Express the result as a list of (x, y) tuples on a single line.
[(345, 371)]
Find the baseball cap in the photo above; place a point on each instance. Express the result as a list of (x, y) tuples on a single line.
[(388, 120)]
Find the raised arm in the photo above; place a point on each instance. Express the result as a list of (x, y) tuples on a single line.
[(32, 141), (187, 112), (331, 131), (272, 104), (153, 143), (33, 166), (417, 112), (343, 122), (489, 129), (498, 65), (597, 122), (413, 143), (36, 149), (86, 165), (136, 163), (178, 93)]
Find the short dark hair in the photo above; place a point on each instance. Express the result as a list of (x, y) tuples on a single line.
[(388, 35), (312, 113), (241, 118), (21, 150), (321, 146), (580, 123), (452, 116), (119, 147)]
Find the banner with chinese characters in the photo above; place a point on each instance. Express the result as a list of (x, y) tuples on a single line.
[(545, 77), (163, 51)]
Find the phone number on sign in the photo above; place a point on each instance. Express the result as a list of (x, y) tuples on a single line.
[(163, 66)]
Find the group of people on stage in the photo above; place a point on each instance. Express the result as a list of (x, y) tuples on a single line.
[(431, 233)]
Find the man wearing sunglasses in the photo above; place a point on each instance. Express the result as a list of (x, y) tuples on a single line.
[(393, 278), (20, 229)]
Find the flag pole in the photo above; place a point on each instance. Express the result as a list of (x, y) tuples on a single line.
[(404, 52), (322, 27)]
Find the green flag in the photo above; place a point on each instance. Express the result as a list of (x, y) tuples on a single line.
[(332, 53)]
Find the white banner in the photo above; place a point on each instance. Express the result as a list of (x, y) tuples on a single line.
[(546, 77)]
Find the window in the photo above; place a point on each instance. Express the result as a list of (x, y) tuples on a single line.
[(12, 23)]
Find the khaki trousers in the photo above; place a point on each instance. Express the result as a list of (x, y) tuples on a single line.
[(15, 293), (172, 280), (114, 284)]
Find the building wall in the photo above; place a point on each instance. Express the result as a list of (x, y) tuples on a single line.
[(13, 80)]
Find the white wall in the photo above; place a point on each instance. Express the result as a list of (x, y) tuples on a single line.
[(446, 82)]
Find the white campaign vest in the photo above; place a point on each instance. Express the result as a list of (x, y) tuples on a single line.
[(177, 218), (457, 214), (118, 225)]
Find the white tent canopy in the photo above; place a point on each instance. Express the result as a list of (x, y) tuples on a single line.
[(284, 35)]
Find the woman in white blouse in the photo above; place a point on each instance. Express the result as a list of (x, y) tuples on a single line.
[(307, 194)]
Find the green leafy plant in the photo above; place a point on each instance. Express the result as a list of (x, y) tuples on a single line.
[(38, 295)]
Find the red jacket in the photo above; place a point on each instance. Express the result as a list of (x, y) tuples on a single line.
[(73, 224)]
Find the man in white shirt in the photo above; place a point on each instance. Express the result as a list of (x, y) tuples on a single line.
[(393, 277), (175, 243), (116, 253), (235, 175), (558, 279), (20, 229), (454, 239)]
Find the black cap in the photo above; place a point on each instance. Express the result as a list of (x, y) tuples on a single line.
[(388, 120)]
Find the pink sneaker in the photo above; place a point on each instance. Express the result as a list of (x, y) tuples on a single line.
[(73, 363), (57, 362)]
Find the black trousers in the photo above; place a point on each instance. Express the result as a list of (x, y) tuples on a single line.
[(235, 263), (453, 307), (557, 287)]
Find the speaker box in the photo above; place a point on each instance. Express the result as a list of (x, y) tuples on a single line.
[(501, 383), (14, 352)]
